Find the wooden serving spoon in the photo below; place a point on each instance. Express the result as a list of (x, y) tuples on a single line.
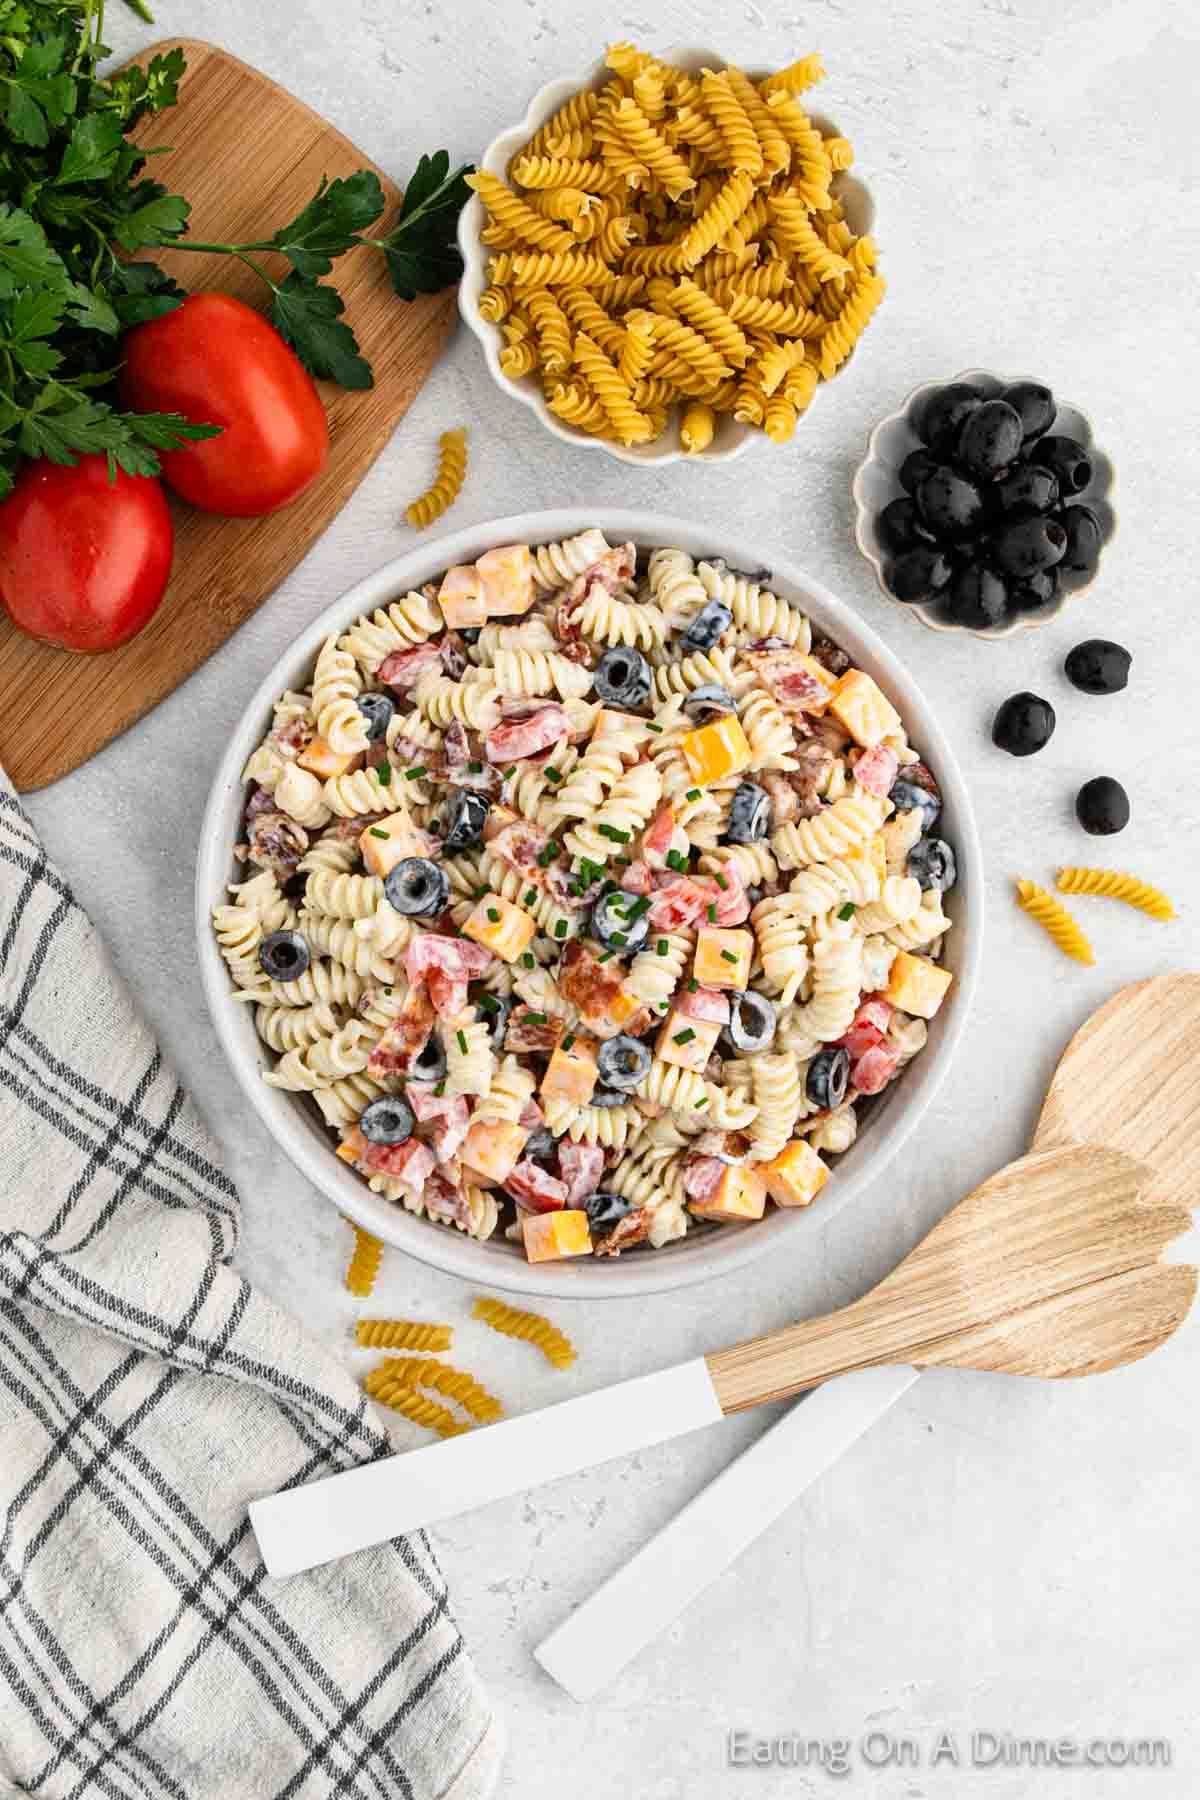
[(1049, 1268)]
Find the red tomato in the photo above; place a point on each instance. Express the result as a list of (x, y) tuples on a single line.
[(83, 561), (217, 361)]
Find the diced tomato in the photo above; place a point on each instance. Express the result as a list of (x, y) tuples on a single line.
[(868, 1028), (876, 769), (404, 668), (446, 1114), (520, 845), (525, 730), (447, 964), (679, 903), (704, 1003), (410, 1162), (405, 1037), (656, 840)]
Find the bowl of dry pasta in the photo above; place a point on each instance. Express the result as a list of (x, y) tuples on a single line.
[(668, 258), (604, 945)]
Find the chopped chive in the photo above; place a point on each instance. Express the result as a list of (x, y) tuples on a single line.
[(676, 861), (528, 960), (568, 1040), (378, 831), (701, 1103), (848, 911), (662, 946), (488, 1002), (479, 893), (415, 774), (638, 908), (721, 883), (560, 928), (537, 1018), (712, 913), (622, 862), (684, 1037), (693, 984), (611, 831), (530, 896), (440, 1089), (462, 1041), (383, 774), (654, 728), (692, 794), (546, 856), (474, 768), (493, 915), (728, 956), (606, 955), (620, 939), (552, 774)]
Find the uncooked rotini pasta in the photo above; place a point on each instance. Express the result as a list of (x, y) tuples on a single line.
[(447, 483), (633, 229), (1055, 920), (401, 1334), (1116, 886), (597, 914), (362, 1271), (530, 1327), (443, 1378), (388, 1390)]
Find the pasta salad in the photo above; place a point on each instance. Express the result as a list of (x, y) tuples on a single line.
[(588, 894)]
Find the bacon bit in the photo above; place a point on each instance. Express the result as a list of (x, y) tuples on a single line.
[(876, 770), (872, 1071), (816, 760), (731, 902), (581, 1166), (536, 1035), (708, 1004), (702, 1176), (520, 845), (455, 661), (634, 1228), (524, 730), (261, 800), (563, 887), (404, 668), (405, 1037), (536, 1189), (446, 1113), (785, 675), (778, 789), (586, 982), (448, 964), (276, 843), (410, 1162), (444, 1199), (830, 656), (638, 878), (532, 1117)]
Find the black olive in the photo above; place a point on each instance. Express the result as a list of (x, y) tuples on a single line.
[(1102, 806), (1023, 725), (1098, 666), (284, 955)]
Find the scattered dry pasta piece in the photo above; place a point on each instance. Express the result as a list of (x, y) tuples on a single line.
[(452, 469), (1117, 886), (670, 232), (1054, 919), (418, 1407), (455, 1384), (363, 1268), (401, 1334), (531, 1327)]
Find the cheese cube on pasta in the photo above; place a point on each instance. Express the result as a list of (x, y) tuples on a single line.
[(723, 957), (388, 841), (550, 1236), (740, 1194), (571, 1074), (506, 574), (492, 1150), (687, 1042), (917, 985), (319, 759), (461, 598), (716, 750), (866, 712), (500, 926), (796, 1176)]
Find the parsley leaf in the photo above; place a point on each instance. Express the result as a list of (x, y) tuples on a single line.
[(421, 248), (308, 315), (328, 225), (92, 149)]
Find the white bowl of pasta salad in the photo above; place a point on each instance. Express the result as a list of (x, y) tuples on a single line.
[(580, 948), (715, 410)]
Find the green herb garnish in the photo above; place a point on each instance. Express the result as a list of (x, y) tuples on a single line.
[(728, 956), (462, 1041), (383, 774), (848, 911), (493, 915), (378, 831), (684, 1037)]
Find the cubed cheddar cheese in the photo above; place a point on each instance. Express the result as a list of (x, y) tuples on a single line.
[(500, 926), (352, 1146), (796, 1176), (571, 1074), (507, 577), (917, 985), (493, 1149), (319, 759), (863, 709), (622, 1007), (462, 599), (715, 750), (741, 1194), (550, 1236), (388, 841), (688, 1043), (723, 957)]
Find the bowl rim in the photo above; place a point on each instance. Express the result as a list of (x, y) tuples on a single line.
[(866, 510), (303, 1140), (494, 158)]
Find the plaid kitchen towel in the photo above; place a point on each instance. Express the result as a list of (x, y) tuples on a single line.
[(146, 1394)]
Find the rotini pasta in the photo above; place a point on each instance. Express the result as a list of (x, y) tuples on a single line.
[(1055, 920), (362, 1272), (447, 483), (401, 1334), (1116, 886), (454, 1384), (386, 1389), (529, 1327)]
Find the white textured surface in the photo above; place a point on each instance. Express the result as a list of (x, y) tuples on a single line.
[(996, 1555)]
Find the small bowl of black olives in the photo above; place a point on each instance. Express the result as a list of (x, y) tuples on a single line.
[(984, 504)]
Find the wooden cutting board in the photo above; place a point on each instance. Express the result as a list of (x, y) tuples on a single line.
[(248, 156)]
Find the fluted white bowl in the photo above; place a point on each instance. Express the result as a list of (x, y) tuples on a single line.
[(731, 438)]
